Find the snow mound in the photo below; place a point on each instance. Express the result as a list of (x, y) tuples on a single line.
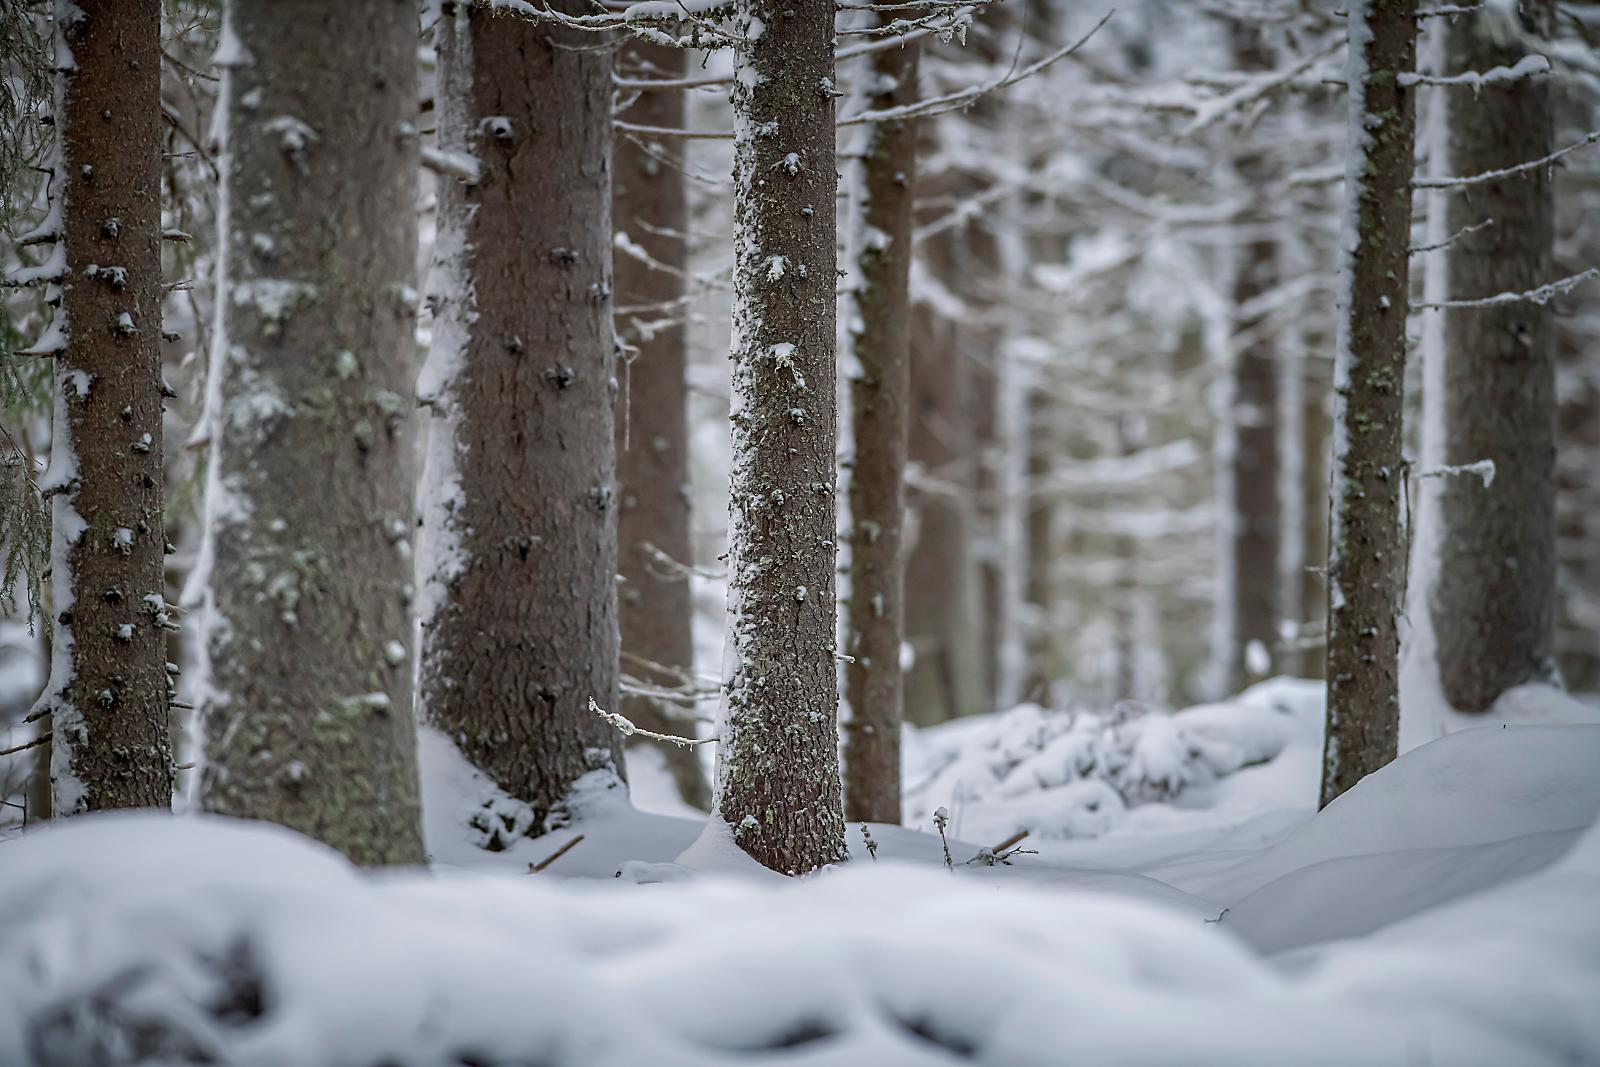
[(138, 938), (1077, 774)]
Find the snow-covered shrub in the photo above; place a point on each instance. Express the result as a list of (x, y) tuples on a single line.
[(1076, 773)]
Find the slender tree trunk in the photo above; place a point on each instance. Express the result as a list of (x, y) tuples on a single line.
[(943, 592), (778, 768), (107, 695), (1494, 600), (310, 506), (1256, 512), (649, 211), (1315, 426), (519, 625), (880, 396), (1366, 558)]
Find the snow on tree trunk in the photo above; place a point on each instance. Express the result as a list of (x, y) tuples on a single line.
[(778, 770), (1494, 597), (880, 392), (1366, 557), (943, 593), (649, 211), (519, 621), (1254, 415), (108, 692), (308, 716)]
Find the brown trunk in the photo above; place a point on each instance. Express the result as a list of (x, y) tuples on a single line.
[(108, 689), (1494, 601), (1256, 515), (880, 395), (1366, 558), (520, 627), (649, 208), (1314, 579), (778, 770), (311, 506), (943, 594)]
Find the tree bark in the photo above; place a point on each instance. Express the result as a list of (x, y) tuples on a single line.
[(308, 718), (1256, 512), (943, 591), (649, 208), (1314, 428), (1366, 558), (519, 625), (778, 768), (1494, 600), (108, 694), (880, 401)]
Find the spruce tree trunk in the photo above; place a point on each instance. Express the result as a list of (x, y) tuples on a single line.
[(650, 208), (1366, 557), (309, 711), (943, 590), (1256, 513), (880, 395), (519, 626), (778, 769), (107, 695), (1494, 600), (1314, 429)]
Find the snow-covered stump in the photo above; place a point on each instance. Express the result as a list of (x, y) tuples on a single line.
[(880, 391), (308, 707), (1493, 603), (1366, 553), (108, 695), (778, 769), (649, 207), (519, 607)]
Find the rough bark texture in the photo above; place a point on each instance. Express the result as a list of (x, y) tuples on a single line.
[(1366, 559), (1256, 514), (309, 719), (1494, 601), (943, 593), (649, 207), (521, 626), (108, 687), (880, 399), (778, 768)]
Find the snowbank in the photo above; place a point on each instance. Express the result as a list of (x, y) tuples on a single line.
[(131, 938)]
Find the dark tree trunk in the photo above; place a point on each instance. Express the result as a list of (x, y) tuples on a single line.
[(649, 207), (309, 712), (1366, 558), (1494, 600), (520, 622), (1256, 514), (1314, 579), (778, 768), (108, 687), (943, 591), (880, 400)]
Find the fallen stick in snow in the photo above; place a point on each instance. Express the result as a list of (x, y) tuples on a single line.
[(535, 868)]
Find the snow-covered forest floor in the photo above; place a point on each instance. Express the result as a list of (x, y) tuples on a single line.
[(1183, 905)]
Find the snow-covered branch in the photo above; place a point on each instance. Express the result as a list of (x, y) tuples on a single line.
[(1505, 172), (1542, 295), (625, 726)]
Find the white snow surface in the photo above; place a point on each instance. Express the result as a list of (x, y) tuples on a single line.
[(1442, 911)]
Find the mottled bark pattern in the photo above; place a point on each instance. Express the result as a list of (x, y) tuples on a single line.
[(1366, 560), (649, 206), (880, 403), (778, 768), (1256, 513), (1493, 605), (525, 629), (309, 722), (108, 688)]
